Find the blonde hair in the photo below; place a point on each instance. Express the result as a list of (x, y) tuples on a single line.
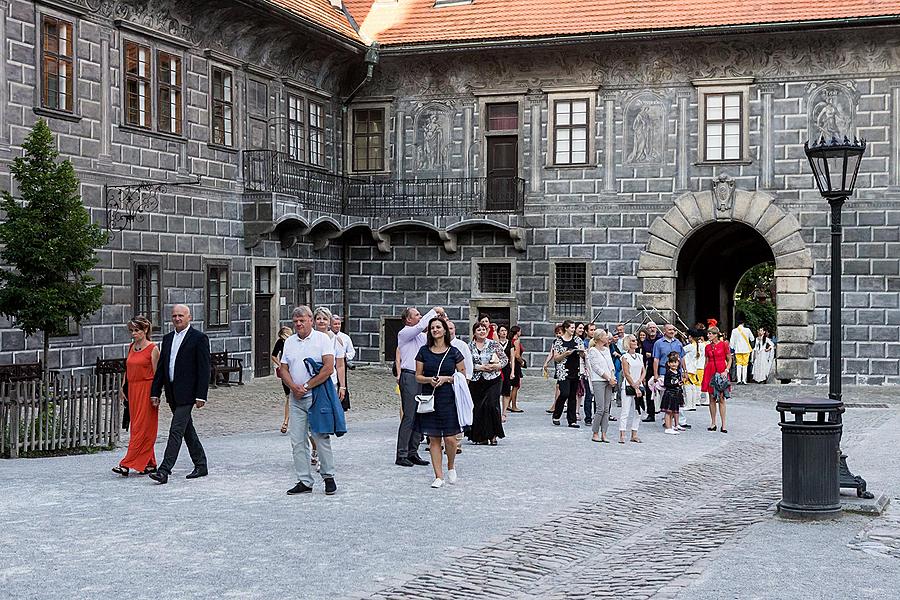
[(141, 323), (598, 335), (285, 332), (630, 338)]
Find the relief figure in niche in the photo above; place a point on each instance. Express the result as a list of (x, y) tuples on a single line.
[(431, 151), (644, 119), (831, 112)]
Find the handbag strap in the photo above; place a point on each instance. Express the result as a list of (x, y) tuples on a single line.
[(441, 364)]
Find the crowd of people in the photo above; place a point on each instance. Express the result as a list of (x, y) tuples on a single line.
[(448, 388), (673, 370)]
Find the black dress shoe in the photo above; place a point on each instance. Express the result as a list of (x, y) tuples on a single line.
[(416, 460), (404, 462), (686, 426), (300, 488), (648, 420), (159, 477), (197, 472), (330, 486), (574, 425)]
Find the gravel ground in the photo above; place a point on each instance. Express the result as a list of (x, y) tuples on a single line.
[(71, 529)]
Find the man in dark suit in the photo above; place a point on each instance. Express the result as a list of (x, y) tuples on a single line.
[(183, 371)]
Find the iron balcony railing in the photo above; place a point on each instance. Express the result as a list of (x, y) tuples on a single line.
[(271, 171)]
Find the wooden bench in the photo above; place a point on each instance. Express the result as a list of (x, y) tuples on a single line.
[(21, 372), (109, 366), (221, 367)]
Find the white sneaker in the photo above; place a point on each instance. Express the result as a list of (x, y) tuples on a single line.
[(671, 432), (438, 482), (451, 476)]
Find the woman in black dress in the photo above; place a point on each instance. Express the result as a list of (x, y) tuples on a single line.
[(283, 334), (436, 363), (488, 359)]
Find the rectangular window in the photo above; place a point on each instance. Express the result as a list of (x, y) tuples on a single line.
[(147, 288), (570, 289), (217, 296), (304, 287), (295, 127), (58, 73), (368, 139), (168, 81), (316, 134), (137, 85), (222, 107), (571, 132), (503, 117), (723, 126), (495, 278)]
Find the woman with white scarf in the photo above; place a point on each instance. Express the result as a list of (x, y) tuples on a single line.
[(602, 377)]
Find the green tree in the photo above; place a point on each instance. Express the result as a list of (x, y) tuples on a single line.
[(755, 297), (49, 243)]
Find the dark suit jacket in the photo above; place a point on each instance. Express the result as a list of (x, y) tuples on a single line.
[(191, 369)]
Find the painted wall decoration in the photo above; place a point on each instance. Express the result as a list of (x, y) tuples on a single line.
[(432, 139), (832, 110), (645, 130)]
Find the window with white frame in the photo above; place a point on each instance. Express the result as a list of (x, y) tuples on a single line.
[(218, 295), (146, 72), (368, 139), (316, 141), (137, 84), (57, 64), (168, 85), (296, 133), (724, 119), (570, 131), (222, 107)]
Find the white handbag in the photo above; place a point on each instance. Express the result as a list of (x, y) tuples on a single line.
[(425, 402)]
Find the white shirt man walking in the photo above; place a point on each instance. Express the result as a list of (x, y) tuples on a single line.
[(307, 343), (409, 340)]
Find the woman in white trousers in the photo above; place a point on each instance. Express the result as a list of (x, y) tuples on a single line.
[(602, 375), (633, 373)]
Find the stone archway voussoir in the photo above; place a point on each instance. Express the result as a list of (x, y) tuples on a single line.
[(690, 209), (787, 226), (650, 264), (663, 230), (794, 260), (792, 243)]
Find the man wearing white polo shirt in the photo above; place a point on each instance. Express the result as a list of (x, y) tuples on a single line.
[(307, 343)]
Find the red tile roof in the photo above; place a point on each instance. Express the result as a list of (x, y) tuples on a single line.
[(400, 22), (321, 13)]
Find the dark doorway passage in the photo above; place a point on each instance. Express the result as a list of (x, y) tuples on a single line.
[(710, 264)]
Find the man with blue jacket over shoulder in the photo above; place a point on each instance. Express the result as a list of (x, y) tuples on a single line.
[(307, 343)]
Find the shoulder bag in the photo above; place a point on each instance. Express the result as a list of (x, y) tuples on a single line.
[(425, 402)]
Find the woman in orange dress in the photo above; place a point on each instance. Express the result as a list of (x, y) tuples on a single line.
[(143, 355)]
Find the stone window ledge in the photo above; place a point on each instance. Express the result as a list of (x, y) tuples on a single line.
[(222, 147), (722, 163), (151, 133), (56, 114)]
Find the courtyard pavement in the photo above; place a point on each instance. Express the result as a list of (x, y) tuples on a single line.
[(546, 514)]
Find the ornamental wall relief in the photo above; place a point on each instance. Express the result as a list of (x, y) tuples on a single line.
[(645, 130), (831, 110), (432, 140)]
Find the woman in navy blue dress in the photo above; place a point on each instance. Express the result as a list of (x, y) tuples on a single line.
[(436, 363)]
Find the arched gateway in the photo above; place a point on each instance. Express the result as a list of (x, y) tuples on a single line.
[(744, 228)]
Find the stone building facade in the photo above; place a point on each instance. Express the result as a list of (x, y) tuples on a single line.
[(534, 181)]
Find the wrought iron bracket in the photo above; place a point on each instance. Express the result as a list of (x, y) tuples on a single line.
[(128, 203), (849, 480)]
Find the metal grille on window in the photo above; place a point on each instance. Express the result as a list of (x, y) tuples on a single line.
[(58, 75), (217, 296), (723, 126), (495, 278), (147, 291), (571, 289), (304, 287)]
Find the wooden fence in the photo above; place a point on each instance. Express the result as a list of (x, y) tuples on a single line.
[(71, 412)]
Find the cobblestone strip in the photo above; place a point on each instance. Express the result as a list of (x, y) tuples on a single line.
[(530, 561)]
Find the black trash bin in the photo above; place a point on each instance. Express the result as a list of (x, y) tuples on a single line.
[(810, 458)]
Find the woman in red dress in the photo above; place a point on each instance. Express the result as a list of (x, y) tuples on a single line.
[(718, 362), (143, 355)]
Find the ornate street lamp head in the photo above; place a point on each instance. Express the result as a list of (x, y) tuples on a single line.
[(835, 164)]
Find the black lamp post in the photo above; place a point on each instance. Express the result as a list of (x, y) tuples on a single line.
[(835, 164)]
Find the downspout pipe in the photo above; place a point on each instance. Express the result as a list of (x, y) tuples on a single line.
[(371, 60)]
